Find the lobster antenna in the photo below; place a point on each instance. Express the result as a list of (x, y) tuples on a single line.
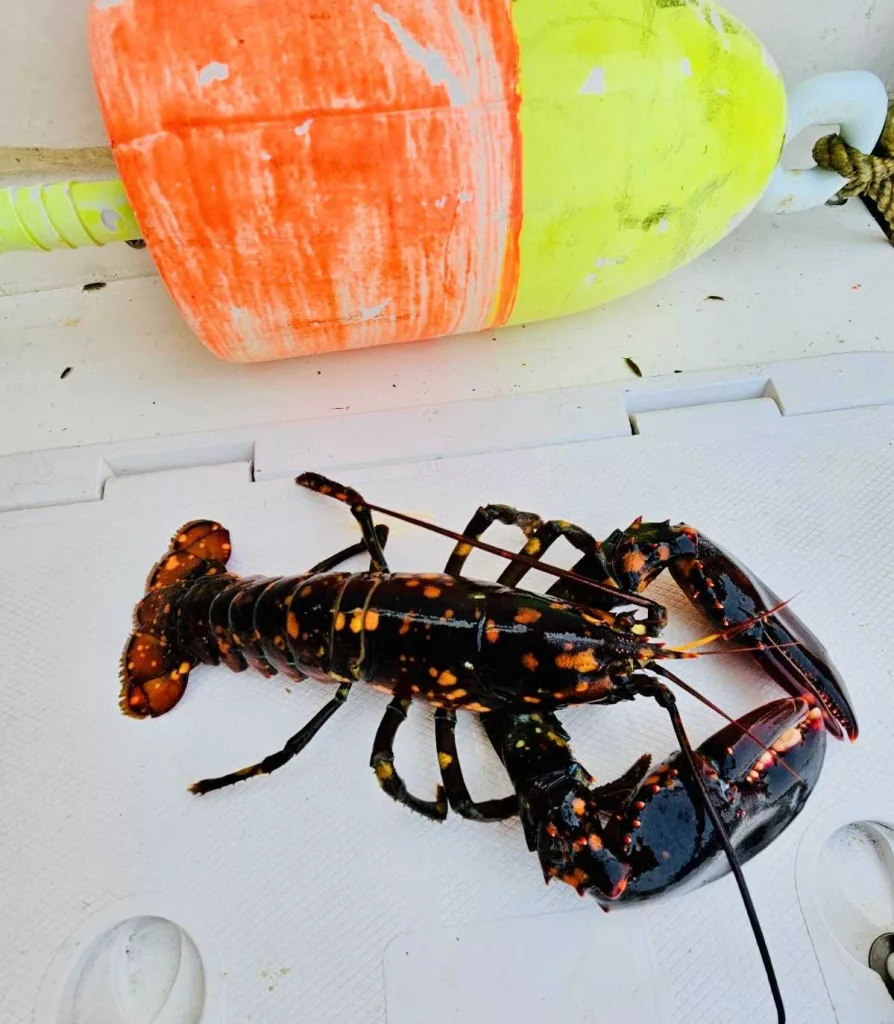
[(691, 690), (667, 701), (728, 634), (347, 495), (747, 650)]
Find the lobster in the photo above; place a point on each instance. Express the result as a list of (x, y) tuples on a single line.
[(461, 644)]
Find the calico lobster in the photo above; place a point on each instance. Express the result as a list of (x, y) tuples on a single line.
[(506, 654)]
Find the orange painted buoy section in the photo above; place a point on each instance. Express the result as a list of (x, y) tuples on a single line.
[(314, 175)]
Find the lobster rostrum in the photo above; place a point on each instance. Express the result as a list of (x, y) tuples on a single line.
[(462, 644)]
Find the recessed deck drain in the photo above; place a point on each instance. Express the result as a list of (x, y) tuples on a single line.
[(132, 968), (881, 960)]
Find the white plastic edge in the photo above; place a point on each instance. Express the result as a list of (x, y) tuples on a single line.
[(505, 423), (857, 101)]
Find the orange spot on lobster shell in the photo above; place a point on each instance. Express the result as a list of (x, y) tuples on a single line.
[(633, 562), (446, 678), (578, 806), (582, 661), (431, 592), (371, 620), (530, 662), (577, 879), (292, 627), (525, 616)]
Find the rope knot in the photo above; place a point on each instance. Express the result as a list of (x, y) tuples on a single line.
[(870, 176)]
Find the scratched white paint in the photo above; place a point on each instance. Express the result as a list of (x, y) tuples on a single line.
[(430, 60), (371, 312), (490, 167), (595, 83), (717, 24), (663, 226), (770, 61), (605, 261), (738, 219), (213, 72), (686, 67), (104, 5), (304, 127), (50, 100), (110, 218), (465, 196)]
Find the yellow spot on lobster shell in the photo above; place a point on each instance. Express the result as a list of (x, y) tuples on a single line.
[(384, 771), (456, 694), (184, 667), (446, 678), (532, 547), (478, 708), (357, 621), (445, 760), (463, 550), (371, 620)]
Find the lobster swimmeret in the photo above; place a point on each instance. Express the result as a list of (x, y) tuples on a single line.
[(508, 655)]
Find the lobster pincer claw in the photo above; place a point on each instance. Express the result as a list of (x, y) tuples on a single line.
[(728, 594), (648, 832)]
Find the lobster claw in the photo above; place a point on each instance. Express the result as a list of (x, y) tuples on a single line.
[(759, 773), (648, 832), (728, 593)]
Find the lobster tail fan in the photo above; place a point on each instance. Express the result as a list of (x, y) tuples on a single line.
[(199, 548), (154, 668)]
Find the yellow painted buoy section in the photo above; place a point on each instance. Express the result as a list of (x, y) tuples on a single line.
[(649, 128)]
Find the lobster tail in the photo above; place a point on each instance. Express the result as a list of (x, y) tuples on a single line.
[(155, 667)]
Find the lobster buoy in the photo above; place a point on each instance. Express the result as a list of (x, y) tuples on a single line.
[(315, 175)]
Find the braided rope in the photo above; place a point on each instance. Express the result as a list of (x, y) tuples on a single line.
[(869, 176)]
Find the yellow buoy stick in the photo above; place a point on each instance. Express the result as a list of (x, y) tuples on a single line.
[(65, 215)]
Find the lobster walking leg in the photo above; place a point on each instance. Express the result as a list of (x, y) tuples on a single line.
[(541, 536), (454, 783), (382, 762), (486, 516), (359, 510), (294, 746)]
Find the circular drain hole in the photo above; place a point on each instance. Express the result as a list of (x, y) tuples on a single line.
[(145, 970), (881, 960)]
